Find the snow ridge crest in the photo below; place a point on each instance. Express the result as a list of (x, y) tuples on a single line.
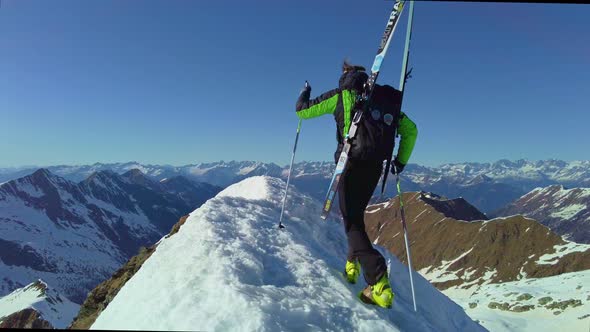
[(230, 268)]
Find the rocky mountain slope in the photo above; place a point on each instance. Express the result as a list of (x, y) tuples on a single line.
[(565, 211), (74, 235), (461, 252), (229, 267)]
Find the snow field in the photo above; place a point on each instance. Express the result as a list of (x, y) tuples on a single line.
[(559, 303)]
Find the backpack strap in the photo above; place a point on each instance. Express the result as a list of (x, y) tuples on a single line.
[(387, 168), (389, 156)]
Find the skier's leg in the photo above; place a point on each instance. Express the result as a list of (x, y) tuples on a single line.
[(356, 189)]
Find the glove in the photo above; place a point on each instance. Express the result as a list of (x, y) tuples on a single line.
[(398, 167), (306, 88)]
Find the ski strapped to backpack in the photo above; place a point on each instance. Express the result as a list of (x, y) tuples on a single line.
[(368, 90), (405, 74)]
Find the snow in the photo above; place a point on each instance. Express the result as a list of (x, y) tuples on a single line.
[(230, 268), (246, 170), (251, 189), (442, 273), (372, 210), (569, 286), (196, 170), (438, 222), (29, 189), (569, 211), (55, 309), (137, 221), (522, 274), (560, 251), (419, 214)]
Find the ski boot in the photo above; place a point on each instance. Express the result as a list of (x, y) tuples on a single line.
[(352, 270), (379, 294)]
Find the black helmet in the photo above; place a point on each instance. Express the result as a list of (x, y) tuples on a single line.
[(353, 77)]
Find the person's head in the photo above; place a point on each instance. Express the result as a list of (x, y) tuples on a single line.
[(353, 77)]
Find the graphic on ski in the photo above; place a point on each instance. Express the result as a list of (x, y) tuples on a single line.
[(343, 159)]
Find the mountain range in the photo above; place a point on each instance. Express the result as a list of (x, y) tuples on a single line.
[(75, 235), (488, 186), (565, 211)]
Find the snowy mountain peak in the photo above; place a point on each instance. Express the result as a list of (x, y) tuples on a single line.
[(43, 177), (136, 176), (238, 271), (480, 179), (36, 305), (135, 173), (42, 173), (101, 181), (102, 177), (253, 188)]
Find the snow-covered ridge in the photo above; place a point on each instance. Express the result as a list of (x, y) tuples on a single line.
[(250, 188), (52, 307), (559, 193), (230, 268)]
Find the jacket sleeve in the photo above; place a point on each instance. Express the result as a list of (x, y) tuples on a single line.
[(324, 104), (409, 132)]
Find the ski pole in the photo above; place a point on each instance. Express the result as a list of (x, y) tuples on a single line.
[(403, 214), (290, 169)]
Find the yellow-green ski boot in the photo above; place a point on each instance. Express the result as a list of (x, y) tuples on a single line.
[(352, 270), (379, 294)]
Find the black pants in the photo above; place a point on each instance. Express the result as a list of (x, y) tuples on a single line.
[(358, 183)]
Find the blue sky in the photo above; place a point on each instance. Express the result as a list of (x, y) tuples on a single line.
[(178, 82)]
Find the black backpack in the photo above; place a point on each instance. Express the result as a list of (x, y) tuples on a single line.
[(374, 139), (375, 135)]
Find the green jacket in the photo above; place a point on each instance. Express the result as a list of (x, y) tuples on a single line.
[(340, 103)]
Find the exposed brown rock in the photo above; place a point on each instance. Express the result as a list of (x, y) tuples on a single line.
[(176, 226), (103, 294), (25, 319), (503, 245)]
